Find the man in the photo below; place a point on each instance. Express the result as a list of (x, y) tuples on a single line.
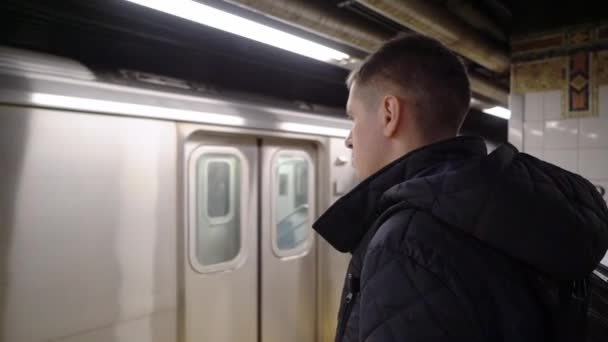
[(449, 243)]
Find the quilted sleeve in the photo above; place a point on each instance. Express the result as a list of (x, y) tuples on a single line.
[(402, 301)]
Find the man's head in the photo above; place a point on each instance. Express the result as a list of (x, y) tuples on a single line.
[(411, 92)]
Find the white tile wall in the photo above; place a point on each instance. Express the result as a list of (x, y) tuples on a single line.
[(536, 152), (533, 134), (516, 133), (577, 145), (533, 107), (561, 134), (593, 163), (593, 132), (552, 104), (564, 158), (603, 101), (516, 106)]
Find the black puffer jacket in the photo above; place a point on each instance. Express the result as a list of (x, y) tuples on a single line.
[(452, 244)]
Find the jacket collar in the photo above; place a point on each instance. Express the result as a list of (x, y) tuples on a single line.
[(345, 223)]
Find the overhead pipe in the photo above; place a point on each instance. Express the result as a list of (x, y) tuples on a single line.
[(465, 10), (489, 90), (433, 20), (334, 24), (320, 18)]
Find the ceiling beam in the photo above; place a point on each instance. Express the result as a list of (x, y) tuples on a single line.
[(334, 24), (431, 19)]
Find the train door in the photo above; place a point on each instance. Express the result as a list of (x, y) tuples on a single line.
[(288, 282), (221, 241), (250, 268)]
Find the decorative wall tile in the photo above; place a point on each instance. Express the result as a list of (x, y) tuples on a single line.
[(580, 37), (548, 74), (601, 67), (559, 42), (603, 101), (538, 43), (582, 90)]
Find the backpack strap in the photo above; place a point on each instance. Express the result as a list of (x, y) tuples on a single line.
[(571, 317)]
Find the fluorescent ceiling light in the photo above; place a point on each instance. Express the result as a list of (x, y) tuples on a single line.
[(112, 107), (314, 129), (206, 15), (498, 111)]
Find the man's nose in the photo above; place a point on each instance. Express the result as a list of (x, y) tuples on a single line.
[(349, 140)]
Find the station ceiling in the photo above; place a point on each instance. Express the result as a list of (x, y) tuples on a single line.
[(117, 35)]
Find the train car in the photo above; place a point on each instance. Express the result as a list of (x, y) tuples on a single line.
[(143, 209)]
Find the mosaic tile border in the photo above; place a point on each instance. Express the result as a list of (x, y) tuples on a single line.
[(578, 76), (555, 44)]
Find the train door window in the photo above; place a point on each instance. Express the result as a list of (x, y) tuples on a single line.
[(292, 196), (283, 179), (217, 232), (219, 178)]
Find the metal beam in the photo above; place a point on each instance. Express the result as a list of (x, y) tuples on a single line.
[(332, 23), (428, 18), (465, 10), (320, 18), (489, 90)]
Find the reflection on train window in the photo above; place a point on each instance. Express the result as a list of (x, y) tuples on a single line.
[(218, 231), (283, 179), (292, 200), (218, 196)]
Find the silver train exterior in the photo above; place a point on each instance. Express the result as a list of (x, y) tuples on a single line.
[(131, 214)]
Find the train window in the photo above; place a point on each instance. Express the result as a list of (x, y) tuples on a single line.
[(218, 196), (283, 179), (216, 231), (292, 202)]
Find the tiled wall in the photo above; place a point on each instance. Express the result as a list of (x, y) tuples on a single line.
[(577, 145)]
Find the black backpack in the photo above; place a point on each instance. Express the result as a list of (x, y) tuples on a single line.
[(581, 313), (597, 309), (578, 309)]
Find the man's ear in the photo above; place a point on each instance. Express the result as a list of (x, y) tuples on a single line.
[(392, 115)]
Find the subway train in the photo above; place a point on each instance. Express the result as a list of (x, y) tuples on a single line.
[(143, 208), (135, 207)]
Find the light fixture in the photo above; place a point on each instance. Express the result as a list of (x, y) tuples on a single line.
[(314, 129), (498, 111), (206, 15), (112, 107)]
